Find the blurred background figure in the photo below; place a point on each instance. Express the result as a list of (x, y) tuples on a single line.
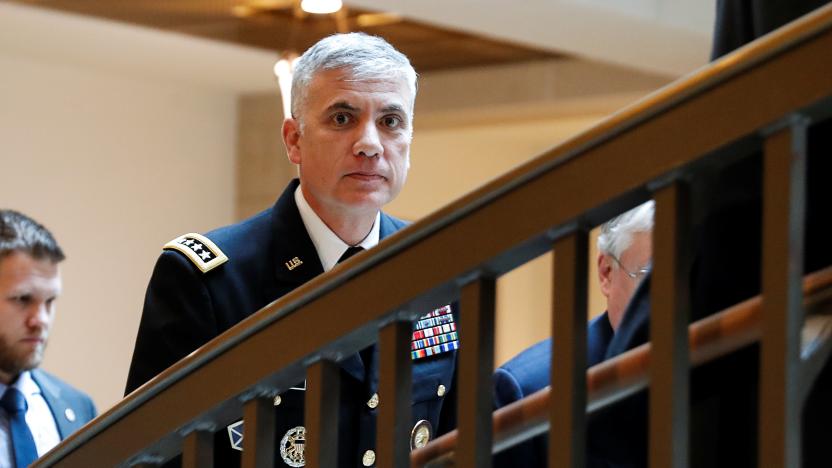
[(624, 253), (38, 409)]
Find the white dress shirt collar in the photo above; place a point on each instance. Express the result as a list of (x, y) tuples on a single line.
[(24, 383), (39, 417), (329, 246)]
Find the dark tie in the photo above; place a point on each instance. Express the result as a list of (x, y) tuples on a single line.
[(349, 253), (366, 353), (23, 443)]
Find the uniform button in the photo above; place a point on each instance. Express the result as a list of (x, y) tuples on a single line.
[(420, 435), (369, 458), (277, 400), (440, 391), (373, 401)]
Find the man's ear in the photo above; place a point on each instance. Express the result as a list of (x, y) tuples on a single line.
[(291, 138), (604, 274)]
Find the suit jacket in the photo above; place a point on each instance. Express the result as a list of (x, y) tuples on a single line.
[(70, 407), (529, 372), (185, 308)]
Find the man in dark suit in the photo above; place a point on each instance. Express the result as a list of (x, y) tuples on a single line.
[(349, 134), (624, 252), (38, 409)]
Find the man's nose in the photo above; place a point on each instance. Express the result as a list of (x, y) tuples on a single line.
[(368, 143), (38, 316)]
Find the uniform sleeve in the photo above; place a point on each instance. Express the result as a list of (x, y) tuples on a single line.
[(506, 388), (177, 318)]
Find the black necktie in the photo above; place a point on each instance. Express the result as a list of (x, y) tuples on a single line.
[(349, 253), (366, 353), (23, 444)]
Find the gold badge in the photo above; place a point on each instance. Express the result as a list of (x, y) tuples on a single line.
[(292, 447), (293, 263), (420, 435), (200, 251)]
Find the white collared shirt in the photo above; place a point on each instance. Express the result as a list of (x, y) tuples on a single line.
[(330, 247), (39, 418)]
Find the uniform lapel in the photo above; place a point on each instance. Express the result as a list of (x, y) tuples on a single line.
[(296, 260)]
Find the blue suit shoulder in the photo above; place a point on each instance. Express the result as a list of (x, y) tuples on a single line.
[(60, 395), (529, 371)]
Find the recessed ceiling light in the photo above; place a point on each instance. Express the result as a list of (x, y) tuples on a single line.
[(321, 6)]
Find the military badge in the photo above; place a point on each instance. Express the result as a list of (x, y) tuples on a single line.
[(435, 333), (200, 251), (292, 447), (235, 435), (420, 435)]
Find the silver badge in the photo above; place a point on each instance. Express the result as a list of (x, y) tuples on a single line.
[(292, 446), (235, 435), (420, 435)]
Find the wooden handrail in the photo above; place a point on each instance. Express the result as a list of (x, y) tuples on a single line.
[(612, 380)]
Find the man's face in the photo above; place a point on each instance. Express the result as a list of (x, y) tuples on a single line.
[(28, 289), (616, 284), (353, 148)]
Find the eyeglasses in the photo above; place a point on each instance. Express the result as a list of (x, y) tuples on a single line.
[(640, 273)]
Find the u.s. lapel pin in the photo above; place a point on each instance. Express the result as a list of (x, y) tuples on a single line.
[(70, 415), (294, 263)]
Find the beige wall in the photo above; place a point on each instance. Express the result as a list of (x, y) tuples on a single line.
[(114, 166)]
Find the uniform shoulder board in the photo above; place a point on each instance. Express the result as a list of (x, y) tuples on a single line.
[(200, 251)]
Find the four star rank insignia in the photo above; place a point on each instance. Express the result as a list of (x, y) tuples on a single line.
[(200, 251)]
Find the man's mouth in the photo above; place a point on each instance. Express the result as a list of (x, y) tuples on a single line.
[(35, 340), (366, 176)]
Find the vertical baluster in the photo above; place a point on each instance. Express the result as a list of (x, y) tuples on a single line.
[(784, 184), (476, 364), (670, 306), (394, 388), (567, 412), (198, 449), (323, 383), (258, 439)]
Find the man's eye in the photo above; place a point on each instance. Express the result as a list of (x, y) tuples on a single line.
[(341, 119), (391, 121), (23, 300)]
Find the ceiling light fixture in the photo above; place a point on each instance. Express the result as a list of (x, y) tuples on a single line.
[(321, 6), (283, 70)]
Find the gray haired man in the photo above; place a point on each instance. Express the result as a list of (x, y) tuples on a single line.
[(624, 253), (349, 134)]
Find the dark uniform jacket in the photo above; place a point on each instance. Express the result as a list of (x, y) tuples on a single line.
[(529, 372), (70, 407), (184, 308)]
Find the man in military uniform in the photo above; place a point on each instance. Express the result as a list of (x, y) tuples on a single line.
[(349, 134)]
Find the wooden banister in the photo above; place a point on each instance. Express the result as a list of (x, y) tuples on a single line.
[(710, 338)]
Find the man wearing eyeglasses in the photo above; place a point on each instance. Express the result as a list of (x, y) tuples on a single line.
[(625, 248)]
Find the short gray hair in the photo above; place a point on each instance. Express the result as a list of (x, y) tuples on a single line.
[(617, 234), (366, 57)]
